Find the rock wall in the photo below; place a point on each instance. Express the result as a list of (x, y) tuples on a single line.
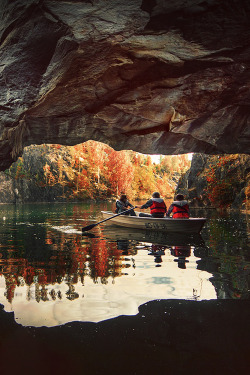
[(214, 181), (156, 76), (53, 173), (25, 181), (165, 334)]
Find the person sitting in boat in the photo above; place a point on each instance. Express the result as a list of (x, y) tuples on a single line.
[(156, 204), (122, 204), (179, 208)]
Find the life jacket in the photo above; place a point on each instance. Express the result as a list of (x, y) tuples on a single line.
[(158, 206), (180, 210), (179, 251)]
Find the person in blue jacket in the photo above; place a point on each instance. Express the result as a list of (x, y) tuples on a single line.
[(122, 204)]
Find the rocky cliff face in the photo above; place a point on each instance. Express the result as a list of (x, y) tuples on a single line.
[(214, 181), (53, 173), (24, 182), (158, 76)]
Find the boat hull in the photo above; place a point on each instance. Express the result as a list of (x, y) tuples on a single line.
[(191, 225), (153, 236)]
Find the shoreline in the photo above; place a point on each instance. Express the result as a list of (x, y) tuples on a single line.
[(89, 201), (166, 336)]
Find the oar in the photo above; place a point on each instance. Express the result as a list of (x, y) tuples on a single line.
[(94, 225)]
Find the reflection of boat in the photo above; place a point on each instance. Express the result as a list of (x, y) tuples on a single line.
[(156, 237), (191, 225)]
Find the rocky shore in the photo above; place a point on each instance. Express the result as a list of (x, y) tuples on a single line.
[(165, 337)]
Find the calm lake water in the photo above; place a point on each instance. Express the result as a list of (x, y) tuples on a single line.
[(51, 274)]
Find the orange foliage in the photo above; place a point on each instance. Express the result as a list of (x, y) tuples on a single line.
[(95, 170), (222, 182)]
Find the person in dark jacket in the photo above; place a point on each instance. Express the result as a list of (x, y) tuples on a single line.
[(179, 208), (157, 206), (122, 204)]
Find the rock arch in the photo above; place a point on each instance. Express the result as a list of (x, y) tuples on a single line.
[(163, 77)]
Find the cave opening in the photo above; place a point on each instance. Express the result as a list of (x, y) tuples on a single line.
[(94, 170)]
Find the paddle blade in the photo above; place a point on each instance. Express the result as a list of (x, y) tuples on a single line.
[(88, 227)]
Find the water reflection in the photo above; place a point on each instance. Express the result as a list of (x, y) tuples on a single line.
[(158, 251), (181, 252), (50, 274)]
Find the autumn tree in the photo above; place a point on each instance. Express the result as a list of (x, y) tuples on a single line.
[(120, 173), (95, 170), (222, 182)]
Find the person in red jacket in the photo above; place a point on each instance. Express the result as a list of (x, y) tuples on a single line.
[(157, 206), (179, 208)]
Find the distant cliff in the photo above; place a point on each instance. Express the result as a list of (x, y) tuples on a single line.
[(91, 170), (217, 181), (24, 181)]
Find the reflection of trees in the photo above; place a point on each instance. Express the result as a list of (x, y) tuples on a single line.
[(226, 257), (66, 260), (71, 294), (105, 260), (181, 253)]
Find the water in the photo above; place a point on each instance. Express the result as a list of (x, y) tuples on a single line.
[(51, 274)]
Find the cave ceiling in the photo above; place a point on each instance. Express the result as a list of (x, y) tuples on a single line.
[(156, 76)]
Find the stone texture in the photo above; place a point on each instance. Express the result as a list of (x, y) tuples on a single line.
[(166, 336), (193, 183), (153, 76)]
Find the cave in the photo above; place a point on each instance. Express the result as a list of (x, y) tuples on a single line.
[(163, 77), (156, 77)]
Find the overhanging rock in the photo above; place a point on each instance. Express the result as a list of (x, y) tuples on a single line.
[(155, 76)]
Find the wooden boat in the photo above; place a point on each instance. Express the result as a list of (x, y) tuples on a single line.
[(191, 225)]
